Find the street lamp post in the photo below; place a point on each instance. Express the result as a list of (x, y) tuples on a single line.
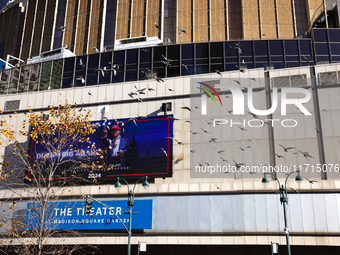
[(131, 202), (283, 200)]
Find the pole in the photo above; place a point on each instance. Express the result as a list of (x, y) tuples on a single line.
[(284, 200), (130, 204)]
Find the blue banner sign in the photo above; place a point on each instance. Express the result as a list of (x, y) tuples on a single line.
[(71, 215)]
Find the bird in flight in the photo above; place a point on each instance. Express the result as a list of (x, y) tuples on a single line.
[(286, 148), (306, 154)]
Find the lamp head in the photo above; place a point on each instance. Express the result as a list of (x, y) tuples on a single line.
[(298, 178), (118, 185), (265, 180), (145, 183)]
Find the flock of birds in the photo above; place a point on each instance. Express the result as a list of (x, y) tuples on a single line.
[(136, 94)]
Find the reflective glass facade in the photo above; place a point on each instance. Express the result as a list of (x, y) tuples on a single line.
[(185, 59)]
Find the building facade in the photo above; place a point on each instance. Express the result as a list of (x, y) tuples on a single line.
[(84, 26), (199, 207)]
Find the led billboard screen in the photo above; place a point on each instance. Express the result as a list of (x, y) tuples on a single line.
[(142, 148)]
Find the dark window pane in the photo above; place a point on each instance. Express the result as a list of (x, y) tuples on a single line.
[(158, 65), (67, 75), (106, 78), (247, 59), (131, 67), (247, 48), (275, 59), (91, 79), (305, 47), (173, 52), (217, 67), (335, 48), (231, 49), (146, 65), (173, 71), (229, 67), (261, 47), (334, 35), (144, 74), (202, 69), (322, 58), (231, 60), (261, 59), (69, 65), (145, 55), (93, 61), (321, 49), (278, 65), (105, 59), (119, 77), (202, 50), (187, 51), (292, 58), (261, 65), (131, 75), (188, 70), (67, 83), (160, 72), (320, 35), (158, 52), (216, 60), (119, 58), (276, 47), (81, 63), (292, 64), (131, 56), (187, 62), (291, 47), (202, 61), (216, 49)]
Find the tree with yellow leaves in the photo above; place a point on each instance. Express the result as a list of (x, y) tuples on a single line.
[(34, 183)]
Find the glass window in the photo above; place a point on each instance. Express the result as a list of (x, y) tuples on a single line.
[(91, 79), (119, 58), (335, 48), (131, 75), (56, 74), (69, 65), (320, 35), (261, 47), (14, 81), (106, 59), (322, 58), (131, 56), (145, 55), (202, 69), (216, 50), (305, 47), (334, 35), (321, 49), (158, 52), (276, 58), (231, 49), (173, 71), (187, 51), (81, 63), (93, 61), (276, 47), (261, 59), (24, 79), (34, 77), (246, 47), (4, 81), (291, 47), (119, 77), (202, 50), (293, 58), (67, 83)]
